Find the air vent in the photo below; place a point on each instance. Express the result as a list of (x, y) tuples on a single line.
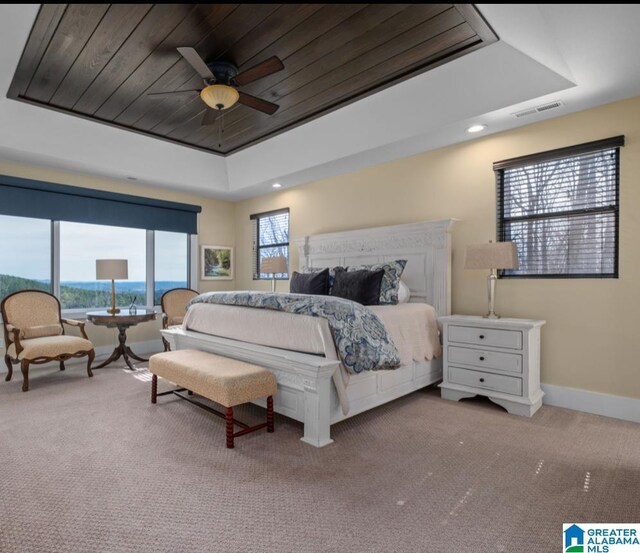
[(538, 109)]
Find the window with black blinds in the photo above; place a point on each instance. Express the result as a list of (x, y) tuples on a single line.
[(561, 208), (270, 238)]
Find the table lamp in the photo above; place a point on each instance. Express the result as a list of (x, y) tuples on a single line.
[(112, 269), (273, 266), (492, 256)]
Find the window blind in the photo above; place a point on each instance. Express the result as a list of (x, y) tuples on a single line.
[(270, 238), (561, 208), (59, 202)]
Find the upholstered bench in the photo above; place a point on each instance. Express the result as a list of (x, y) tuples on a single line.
[(226, 381)]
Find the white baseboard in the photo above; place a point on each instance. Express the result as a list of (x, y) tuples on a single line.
[(102, 352), (617, 407)]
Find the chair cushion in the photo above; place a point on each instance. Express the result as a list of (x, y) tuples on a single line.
[(40, 331), (221, 379), (49, 346)]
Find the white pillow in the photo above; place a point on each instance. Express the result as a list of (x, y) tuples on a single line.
[(403, 293)]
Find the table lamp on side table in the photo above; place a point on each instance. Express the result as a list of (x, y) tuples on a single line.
[(492, 256), (273, 266), (112, 269)]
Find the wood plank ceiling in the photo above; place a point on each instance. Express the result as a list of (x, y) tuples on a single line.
[(101, 61)]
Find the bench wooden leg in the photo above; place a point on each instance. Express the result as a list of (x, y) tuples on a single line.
[(229, 419), (154, 388), (270, 414)]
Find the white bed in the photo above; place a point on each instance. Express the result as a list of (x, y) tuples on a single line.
[(309, 383)]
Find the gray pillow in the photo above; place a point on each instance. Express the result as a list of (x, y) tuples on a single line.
[(310, 283), (360, 286)]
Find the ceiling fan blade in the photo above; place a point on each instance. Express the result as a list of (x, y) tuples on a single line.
[(210, 117), (267, 67), (162, 94), (257, 103), (195, 61)]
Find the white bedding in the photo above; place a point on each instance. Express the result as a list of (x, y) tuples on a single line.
[(412, 327)]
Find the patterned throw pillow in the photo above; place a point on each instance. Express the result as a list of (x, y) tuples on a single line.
[(390, 280)]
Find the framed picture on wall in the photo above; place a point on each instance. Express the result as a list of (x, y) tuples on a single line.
[(216, 263)]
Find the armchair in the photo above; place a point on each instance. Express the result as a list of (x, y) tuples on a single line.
[(174, 308), (34, 333)]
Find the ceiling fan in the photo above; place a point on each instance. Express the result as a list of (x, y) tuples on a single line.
[(221, 82)]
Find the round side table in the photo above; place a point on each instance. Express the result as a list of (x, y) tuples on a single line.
[(121, 321)]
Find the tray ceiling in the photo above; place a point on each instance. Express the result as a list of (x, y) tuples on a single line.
[(101, 61)]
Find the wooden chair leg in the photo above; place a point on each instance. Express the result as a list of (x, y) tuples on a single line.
[(167, 346), (7, 360), (24, 367), (92, 356), (270, 414), (229, 419), (154, 389), (62, 367)]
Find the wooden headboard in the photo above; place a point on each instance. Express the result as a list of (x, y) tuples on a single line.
[(426, 246)]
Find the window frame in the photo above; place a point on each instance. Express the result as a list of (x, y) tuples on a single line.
[(256, 247), (502, 222), (192, 273)]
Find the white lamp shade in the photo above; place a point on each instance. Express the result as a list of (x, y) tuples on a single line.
[(498, 255), (112, 269), (273, 265), (219, 96)]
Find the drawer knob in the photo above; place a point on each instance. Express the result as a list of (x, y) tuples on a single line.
[(482, 380), (481, 336), (481, 358)]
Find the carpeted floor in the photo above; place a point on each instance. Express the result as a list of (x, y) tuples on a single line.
[(89, 465)]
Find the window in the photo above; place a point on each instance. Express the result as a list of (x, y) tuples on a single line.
[(171, 262), (53, 233), (80, 245), (561, 208), (25, 261), (270, 233)]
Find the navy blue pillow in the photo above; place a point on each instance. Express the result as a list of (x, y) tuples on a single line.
[(310, 283), (361, 286)]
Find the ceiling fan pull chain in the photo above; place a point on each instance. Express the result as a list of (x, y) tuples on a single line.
[(220, 130)]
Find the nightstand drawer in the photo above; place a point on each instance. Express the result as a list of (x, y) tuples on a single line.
[(486, 381), (511, 339), (511, 362)]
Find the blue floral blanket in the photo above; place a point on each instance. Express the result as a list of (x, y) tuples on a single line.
[(362, 341)]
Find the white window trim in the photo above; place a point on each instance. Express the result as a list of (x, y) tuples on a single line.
[(192, 270)]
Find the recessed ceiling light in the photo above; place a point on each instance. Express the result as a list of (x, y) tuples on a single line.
[(276, 185), (132, 178), (476, 128)]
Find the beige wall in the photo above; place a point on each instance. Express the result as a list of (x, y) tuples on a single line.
[(215, 226), (591, 340)]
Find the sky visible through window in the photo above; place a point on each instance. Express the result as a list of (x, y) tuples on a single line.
[(25, 260)]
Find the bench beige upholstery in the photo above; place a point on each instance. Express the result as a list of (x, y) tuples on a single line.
[(226, 381)]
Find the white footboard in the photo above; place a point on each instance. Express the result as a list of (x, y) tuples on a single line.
[(304, 381)]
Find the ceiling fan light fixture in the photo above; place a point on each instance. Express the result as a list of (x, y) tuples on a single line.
[(219, 96)]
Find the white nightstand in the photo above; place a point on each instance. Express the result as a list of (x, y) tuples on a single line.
[(497, 358)]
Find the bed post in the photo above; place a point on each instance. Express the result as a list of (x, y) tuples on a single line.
[(317, 410)]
